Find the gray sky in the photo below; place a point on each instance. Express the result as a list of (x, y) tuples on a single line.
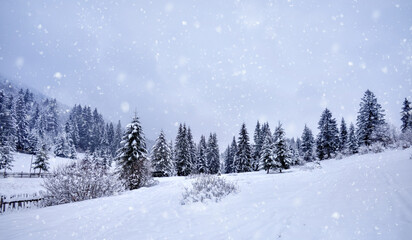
[(212, 64)]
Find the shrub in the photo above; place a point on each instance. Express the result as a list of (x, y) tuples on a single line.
[(78, 182), (208, 187)]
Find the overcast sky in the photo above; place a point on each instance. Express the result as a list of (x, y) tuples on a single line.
[(212, 64)]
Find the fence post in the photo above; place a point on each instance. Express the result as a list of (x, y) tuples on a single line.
[(1, 203)]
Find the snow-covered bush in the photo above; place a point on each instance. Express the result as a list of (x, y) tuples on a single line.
[(208, 187), (77, 182)]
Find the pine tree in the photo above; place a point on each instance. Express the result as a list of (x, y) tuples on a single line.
[(406, 116), (267, 155), (22, 133), (7, 124), (212, 154), (370, 117), (343, 137), (243, 160), (6, 157), (328, 138), (182, 154), (233, 152), (352, 140), (132, 162), (42, 159), (192, 151), (202, 166), (282, 158), (257, 147), (161, 156), (62, 149), (307, 146), (227, 158)]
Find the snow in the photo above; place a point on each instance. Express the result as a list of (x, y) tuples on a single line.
[(12, 186), (360, 197), (22, 162)]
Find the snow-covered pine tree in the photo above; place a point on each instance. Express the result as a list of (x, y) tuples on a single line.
[(62, 149), (7, 123), (6, 156), (22, 133), (370, 117), (182, 154), (328, 138), (212, 154), (406, 118), (192, 151), (244, 154), (42, 159), (307, 145), (71, 149), (161, 156), (133, 164), (233, 152), (202, 166), (352, 140), (227, 160), (257, 147), (343, 137), (267, 155), (281, 153)]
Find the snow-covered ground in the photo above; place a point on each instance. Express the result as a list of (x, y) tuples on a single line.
[(22, 162), (360, 197), (9, 186)]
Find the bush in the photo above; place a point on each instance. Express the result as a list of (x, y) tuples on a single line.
[(78, 182), (208, 187)]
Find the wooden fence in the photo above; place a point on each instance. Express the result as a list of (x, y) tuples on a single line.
[(24, 175), (20, 201)]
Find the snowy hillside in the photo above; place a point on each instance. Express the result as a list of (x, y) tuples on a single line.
[(360, 197)]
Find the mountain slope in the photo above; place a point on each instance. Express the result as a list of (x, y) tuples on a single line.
[(360, 197)]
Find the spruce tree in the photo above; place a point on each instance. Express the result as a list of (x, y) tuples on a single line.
[(6, 157), (267, 155), (370, 117), (212, 154), (22, 133), (406, 116), (233, 152), (257, 147), (328, 138), (307, 145), (133, 164), (192, 152), (243, 160), (161, 156), (182, 152), (343, 137), (227, 160), (42, 159), (352, 140), (62, 149), (281, 153), (202, 166)]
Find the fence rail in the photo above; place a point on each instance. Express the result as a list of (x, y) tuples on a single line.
[(20, 201), (24, 175)]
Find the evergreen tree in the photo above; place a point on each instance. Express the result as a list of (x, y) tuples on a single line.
[(6, 156), (328, 138), (62, 149), (307, 146), (282, 158), (132, 162), (406, 116), (192, 151), (233, 152), (42, 159), (267, 155), (227, 160), (161, 156), (212, 154), (343, 137), (202, 166), (22, 132), (243, 160), (7, 124), (352, 140), (257, 147), (182, 154), (370, 117)]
